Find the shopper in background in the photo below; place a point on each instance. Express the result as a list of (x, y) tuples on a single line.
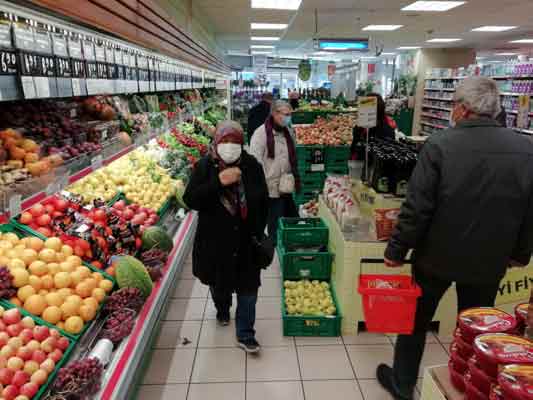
[(259, 113), (229, 191), (294, 99), (468, 216), (383, 130), (274, 147)]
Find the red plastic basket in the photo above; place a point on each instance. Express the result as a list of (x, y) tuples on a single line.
[(389, 310)]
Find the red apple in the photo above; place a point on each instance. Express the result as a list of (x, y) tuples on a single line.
[(15, 342), (55, 333), (15, 363), (14, 329), (29, 389), (61, 205), (4, 337), (56, 355), (20, 378), (49, 209), (26, 335), (49, 344), (6, 376), (26, 218), (3, 362), (39, 377), (10, 392), (40, 333), (28, 322), (38, 356), (128, 214), (37, 210), (7, 351), (63, 343), (120, 205), (25, 353), (44, 231), (31, 366), (48, 365), (2, 326), (44, 220), (34, 345), (11, 316)]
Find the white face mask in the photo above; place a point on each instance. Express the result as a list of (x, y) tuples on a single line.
[(229, 152)]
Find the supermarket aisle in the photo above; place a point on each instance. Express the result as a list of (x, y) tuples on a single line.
[(194, 359)]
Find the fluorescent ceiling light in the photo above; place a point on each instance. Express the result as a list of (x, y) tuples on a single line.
[(522, 41), (408, 47), (256, 25), (505, 54), (480, 58), (388, 54), (322, 53), (261, 46), (382, 27), (443, 40), (277, 4), (368, 58), (433, 5), (493, 28), (261, 52), (264, 38)]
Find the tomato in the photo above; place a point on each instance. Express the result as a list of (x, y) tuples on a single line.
[(49, 208), (44, 220), (61, 204), (99, 215), (26, 218), (138, 243), (83, 244), (97, 264), (37, 210), (79, 251)]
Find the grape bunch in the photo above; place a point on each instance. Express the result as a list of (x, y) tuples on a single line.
[(79, 379), (124, 298), (6, 284), (154, 258), (118, 325)]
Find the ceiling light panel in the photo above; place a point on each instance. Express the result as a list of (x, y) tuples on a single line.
[(434, 6), (388, 54), (274, 27), (261, 46), (408, 47), (505, 54), (444, 40), (261, 52), (277, 4), (522, 41), (264, 38), (493, 28), (382, 27)]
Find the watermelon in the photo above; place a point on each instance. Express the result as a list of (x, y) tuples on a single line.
[(156, 237), (130, 272)]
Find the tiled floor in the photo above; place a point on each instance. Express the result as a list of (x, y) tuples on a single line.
[(195, 359)]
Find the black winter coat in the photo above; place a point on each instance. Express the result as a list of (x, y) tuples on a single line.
[(469, 207), (257, 117), (222, 247)]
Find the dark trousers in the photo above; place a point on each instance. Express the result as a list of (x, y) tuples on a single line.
[(409, 349), (283, 206), (245, 315)]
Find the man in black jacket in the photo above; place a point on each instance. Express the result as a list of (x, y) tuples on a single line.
[(468, 216), (258, 114)]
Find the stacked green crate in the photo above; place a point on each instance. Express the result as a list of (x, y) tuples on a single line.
[(337, 159), (303, 253), (311, 168)]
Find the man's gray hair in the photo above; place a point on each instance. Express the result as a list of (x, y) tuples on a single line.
[(280, 104), (480, 95)]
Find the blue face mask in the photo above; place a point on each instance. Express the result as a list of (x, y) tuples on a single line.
[(286, 121)]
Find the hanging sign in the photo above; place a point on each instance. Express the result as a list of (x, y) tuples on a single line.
[(112, 68), (120, 82), (45, 73), (9, 87), (522, 119), (143, 73), (63, 65), (79, 68), (92, 67), (367, 112)]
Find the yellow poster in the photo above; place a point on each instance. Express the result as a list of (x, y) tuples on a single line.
[(516, 286)]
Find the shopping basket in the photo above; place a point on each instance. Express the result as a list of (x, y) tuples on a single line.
[(389, 301)]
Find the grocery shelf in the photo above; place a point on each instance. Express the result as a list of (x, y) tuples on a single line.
[(449, 78), (437, 98), (515, 94), (433, 125), (436, 107), (120, 378), (440, 89), (435, 116)]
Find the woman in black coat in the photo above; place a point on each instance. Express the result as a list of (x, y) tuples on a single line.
[(229, 191)]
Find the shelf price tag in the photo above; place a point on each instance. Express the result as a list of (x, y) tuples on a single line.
[(63, 65), (9, 86), (79, 83), (367, 113), (15, 204), (97, 162)]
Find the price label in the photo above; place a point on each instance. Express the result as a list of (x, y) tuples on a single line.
[(83, 228), (15, 204), (318, 167), (96, 162), (8, 62), (5, 35)]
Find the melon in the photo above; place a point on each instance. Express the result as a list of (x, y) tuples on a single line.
[(156, 237), (130, 272)]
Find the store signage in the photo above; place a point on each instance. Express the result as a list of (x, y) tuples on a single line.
[(9, 87), (367, 112), (522, 119), (143, 73), (120, 82), (63, 65), (92, 67), (79, 68)]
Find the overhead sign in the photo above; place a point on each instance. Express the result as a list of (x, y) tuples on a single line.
[(367, 112)]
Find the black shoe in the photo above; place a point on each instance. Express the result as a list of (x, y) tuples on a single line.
[(385, 377), (249, 345), (223, 319)]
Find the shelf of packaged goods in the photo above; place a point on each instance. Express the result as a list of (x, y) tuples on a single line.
[(515, 94), (442, 78), (61, 182), (440, 89), (433, 125), (437, 98), (125, 369), (504, 77), (436, 116), (436, 107), (516, 112)]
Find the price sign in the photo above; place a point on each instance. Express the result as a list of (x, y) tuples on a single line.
[(15, 205), (63, 66), (45, 77), (9, 86), (79, 72), (367, 112)]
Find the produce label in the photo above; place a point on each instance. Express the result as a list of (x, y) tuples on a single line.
[(367, 112), (8, 62)]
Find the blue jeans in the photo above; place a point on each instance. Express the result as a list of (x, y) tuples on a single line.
[(245, 315)]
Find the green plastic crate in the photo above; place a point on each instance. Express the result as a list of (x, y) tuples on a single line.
[(312, 180), (295, 325), (337, 170), (335, 154), (303, 231), (304, 264), (299, 200), (303, 117)]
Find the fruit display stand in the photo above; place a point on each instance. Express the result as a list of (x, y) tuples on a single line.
[(514, 288), (122, 374)]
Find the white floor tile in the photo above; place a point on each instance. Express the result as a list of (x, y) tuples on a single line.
[(218, 391), (167, 366), (269, 332), (214, 335), (186, 272), (365, 338), (219, 365), (334, 390), (178, 334), (270, 287), (268, 308), (190, 288), (365, 359), (162, 392), (185, 310), (211, 311), (273, 364), (317, 341), (430, 338), (373, 391), (434, 354), (324, 362), (274, 391)]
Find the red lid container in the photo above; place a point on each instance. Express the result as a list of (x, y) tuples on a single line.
[(496, 393), (477, 321), (472, 393), (458, 380), (459, 363), (516, 382), (464, 349), (496, 349), (478, 377), (520, 312)]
